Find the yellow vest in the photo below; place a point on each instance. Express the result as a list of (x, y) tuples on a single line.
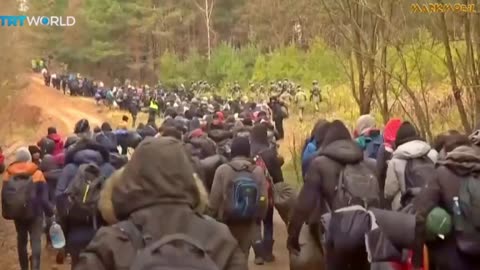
[(153, 105)]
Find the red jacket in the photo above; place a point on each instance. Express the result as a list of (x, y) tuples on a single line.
[(59, 145)]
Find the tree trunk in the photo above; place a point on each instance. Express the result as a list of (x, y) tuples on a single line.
[(457, 92), (207, 20)]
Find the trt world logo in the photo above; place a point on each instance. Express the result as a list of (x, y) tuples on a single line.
[(22, 20)]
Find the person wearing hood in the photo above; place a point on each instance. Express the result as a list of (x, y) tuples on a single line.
[(32, 226), (57, 144), (159, 193), (368, 136), (107, 138), (259, 147), (458, 165), (386, 149), (311, 145), (244, 232), (84, 151), (337, 150), (408, 146)]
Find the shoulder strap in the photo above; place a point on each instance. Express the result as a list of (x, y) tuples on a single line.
[(133, 233)]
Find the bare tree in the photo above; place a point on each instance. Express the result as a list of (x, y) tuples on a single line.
[(207, 10)]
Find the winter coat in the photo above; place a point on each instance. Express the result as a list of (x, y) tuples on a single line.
[(395, 178), (40, 198), (457, 166), (271, 159), (224, 175), (83, 152), (159, 192), (321, 181)]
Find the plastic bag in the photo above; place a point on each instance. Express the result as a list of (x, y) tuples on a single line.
[(284, 197)]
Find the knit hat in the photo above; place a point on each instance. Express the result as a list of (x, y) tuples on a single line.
[(23, 155), (240, 147), (406, 133)]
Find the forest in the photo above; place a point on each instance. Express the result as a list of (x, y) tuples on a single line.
[(379, 56)]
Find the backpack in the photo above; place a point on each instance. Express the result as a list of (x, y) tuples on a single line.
[(357, 185), (261, 163), (243, 198), (47, 146), (418, 171), (468, 231), (17, 198), (371, 150), (84, 194), (174, 251)]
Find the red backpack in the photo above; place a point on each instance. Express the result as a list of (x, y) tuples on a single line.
[(260, 163)]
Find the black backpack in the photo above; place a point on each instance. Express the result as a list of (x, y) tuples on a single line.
[(174, 251), (357, 185), (84, 194), (47, 146), (467, 225), (349, 221), (418, 172), (17, 198)]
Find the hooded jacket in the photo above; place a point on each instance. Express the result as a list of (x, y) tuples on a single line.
[(458, 165), (83, 152), (395, 178), (52, 172), (158, 192), (224, 175), (57, 139), (40, 198), (386, 150), (321, 181)]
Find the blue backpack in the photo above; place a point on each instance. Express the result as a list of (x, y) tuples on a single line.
[(373, 145), (243, 199)]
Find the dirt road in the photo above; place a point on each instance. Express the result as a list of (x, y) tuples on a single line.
[(47, 107), (63, 112)]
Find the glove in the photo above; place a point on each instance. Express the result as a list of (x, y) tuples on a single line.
[(293, 245)]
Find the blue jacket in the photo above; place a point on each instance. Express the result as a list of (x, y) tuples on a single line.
[(83, 152)]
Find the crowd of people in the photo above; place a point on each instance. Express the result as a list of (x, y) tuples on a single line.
[(200, 191)]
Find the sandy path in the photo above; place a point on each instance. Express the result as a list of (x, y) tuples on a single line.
[(63, 112)]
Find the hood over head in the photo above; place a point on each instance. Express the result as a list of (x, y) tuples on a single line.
[(390, 131), (364, 123), (55, 137), (463, 160), (343, 151), (159, 172), (339, 146)]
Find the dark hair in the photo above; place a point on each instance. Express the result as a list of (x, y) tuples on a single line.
[(124, 118), (51, 130)]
